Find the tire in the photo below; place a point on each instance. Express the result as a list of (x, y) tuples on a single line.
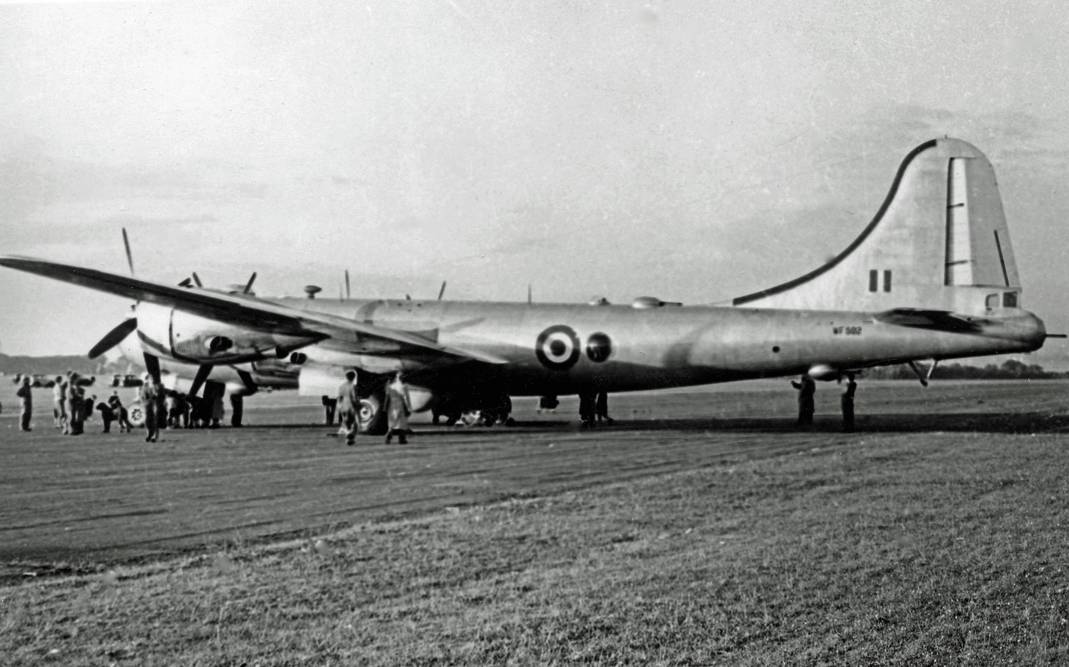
[(135, 414), (371, 417)]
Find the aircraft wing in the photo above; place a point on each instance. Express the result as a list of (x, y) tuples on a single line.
[(243, 310)]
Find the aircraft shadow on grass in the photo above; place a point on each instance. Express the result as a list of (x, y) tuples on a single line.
[(963, 422), (1004, 422)]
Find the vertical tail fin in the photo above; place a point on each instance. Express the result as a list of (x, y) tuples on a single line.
[(939, 241)]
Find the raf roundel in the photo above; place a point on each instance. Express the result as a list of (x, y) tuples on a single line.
[(557, 347)]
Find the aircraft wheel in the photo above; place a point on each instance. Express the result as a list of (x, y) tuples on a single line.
[(471, 417), (135, 414), (371, 416)]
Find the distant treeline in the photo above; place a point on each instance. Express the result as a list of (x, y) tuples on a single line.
[(58, 365), (1011, 369)]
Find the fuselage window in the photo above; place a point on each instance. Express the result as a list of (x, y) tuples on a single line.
[(886, 281), (992, 301), (1009, 299), (873, 278)]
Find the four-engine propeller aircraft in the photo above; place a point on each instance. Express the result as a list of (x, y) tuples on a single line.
[(932, 276)]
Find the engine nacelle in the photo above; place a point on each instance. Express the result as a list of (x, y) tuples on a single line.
[(187, 337)]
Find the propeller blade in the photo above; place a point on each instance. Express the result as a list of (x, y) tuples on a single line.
[(441, 291), (186, 282), (129, 255), (197, 282), (113, 337), (152, 365), (248, 285), (348, 294), (203, 371)]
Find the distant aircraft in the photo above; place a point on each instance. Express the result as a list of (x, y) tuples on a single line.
[(931, 277)]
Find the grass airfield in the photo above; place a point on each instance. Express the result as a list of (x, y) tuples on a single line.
[(701, 528)]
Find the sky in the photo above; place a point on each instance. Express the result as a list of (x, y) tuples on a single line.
[(693, 151)]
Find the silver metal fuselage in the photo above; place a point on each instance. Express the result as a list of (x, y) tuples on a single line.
[(662, 347)]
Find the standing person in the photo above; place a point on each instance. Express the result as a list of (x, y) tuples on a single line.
[(25, 394), (150, 395), (217, 408), (586, 409), (59, 411), (398, 407), (847, 402), (806, 389), (170, 407), (74, 406), (348, 404), (183, 412), (330, 406), (601, 408), (237, 409)]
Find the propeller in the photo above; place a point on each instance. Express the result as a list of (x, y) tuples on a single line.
[(113, 337), (129, 255), (193, 281), (441, 291), (124, 328), (127, 326), (348, 294)]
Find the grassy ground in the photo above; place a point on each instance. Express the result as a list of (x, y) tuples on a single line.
[(892, 547)]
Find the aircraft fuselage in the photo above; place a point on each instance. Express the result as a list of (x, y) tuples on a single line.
[(557, 348)]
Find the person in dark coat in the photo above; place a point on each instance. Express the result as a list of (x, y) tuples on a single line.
[(73, 405), (847, 402), (806, 389), (398, 407), (586, 409), (25, 395), (150, 403), (348, 405), (330, 406), (601, 408)]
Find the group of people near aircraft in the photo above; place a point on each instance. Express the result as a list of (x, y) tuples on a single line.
[(807, 389), (168, 408), (71, 408), (397, 407)]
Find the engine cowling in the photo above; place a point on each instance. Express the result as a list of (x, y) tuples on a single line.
[(188, 337)]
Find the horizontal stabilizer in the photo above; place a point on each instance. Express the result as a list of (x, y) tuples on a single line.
[(938, 320)]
